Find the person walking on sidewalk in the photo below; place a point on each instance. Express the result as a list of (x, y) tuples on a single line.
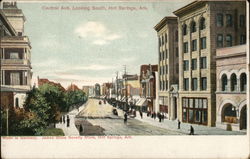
[(63, 119), (68, 120), (141, 114), (179, 124), (162, 117), (125, 117), (191, 130)]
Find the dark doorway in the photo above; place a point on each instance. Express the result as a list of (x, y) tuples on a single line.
[(243, 118)]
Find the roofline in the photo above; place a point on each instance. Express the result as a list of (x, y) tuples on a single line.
[(188, 7), (158, 26)]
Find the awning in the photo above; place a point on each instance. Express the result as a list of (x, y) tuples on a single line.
[(142, 102)]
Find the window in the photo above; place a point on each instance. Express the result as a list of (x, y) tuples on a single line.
[(186, 84), (233, 80), (194, 83), (177, 68), (15, 78), (160, 85), (17, 103), (162, 40), (203, 83), (193, 27), (166, 69), (194, 64), (224, 82), (14, 55), (177, 52), (242, 21), (229, 20), (203, 43), (219, 40), (163, 85), (166, 84), (160, 56), (242, 39), (19, 33), (219, 20), (176, 36), (166, 38), (243, 82), (163, 55), (163, 70), (159, 41), (194, 45), (185, 65), (229, 40), (185, 47), (184, 29), (202, 23), (203, 62), (166, 54)]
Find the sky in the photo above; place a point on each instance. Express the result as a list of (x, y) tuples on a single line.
[(84, 44)]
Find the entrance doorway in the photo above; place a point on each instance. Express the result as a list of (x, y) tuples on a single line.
[(243, 118)]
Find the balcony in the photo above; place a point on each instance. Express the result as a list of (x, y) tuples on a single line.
[(15, 62), (15, 39)]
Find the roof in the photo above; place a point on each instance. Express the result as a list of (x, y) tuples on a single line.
[(164, 21)]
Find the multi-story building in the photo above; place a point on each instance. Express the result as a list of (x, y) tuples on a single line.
[(231, 87), (85, 89), (148, 85), (97, 90), (15, 54), (204, 26), (167, 31), (107, 90)]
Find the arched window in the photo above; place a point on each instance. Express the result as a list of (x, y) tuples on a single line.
[(184, 29), (202, 23), (243, 82), (224, 82), (17, 103), (229, 40), (233, 80), (193, 27)]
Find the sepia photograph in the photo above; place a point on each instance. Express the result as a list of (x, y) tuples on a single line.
[(134, 79)]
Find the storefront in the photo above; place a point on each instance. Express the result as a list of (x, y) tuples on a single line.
[(194, 110)]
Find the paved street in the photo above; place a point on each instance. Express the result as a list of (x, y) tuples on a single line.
[(99, 120)]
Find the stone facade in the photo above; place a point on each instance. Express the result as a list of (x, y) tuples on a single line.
[(168, 53), (231, 87), (203, 27)]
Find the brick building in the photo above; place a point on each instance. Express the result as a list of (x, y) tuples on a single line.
[(203, 27)]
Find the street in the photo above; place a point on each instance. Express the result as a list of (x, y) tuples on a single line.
[(97, 119)]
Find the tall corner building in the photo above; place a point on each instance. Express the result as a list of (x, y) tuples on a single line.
[(15, 56), (204, 26), (167, 32)]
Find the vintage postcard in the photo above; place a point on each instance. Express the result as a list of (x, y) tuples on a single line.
[(124, 79)]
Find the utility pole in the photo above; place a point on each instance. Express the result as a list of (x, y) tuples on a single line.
[(126, 88)]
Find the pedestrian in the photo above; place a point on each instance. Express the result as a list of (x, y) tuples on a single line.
[(81, 129), (191, 130), (141, 114), (162, 117), (68, 120), (154, 115), (179, 124), (125, 118), (63, 119), (159, 116)]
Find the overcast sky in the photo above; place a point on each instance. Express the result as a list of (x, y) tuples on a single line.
[(88, 46)]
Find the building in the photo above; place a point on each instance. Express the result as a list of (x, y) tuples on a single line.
[(167, 32), (204, 26), (231, 87), (107, 90), (85, 89), (97, 90), (148, 77), (15, 56)]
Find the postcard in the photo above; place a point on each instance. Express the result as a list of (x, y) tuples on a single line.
[(124, 79)]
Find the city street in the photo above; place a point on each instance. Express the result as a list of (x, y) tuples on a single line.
[(97, 119)]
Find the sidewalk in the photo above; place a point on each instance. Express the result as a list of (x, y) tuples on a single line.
[(185, 127), (71, 130)]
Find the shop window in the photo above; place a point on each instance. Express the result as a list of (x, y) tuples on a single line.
[(233, 80), (229, 40), (219, 40), (243, 82), (203, 43), (229, 20), (194, 45), (202, 23), (219, 20), (229, 114), (224, 82)]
